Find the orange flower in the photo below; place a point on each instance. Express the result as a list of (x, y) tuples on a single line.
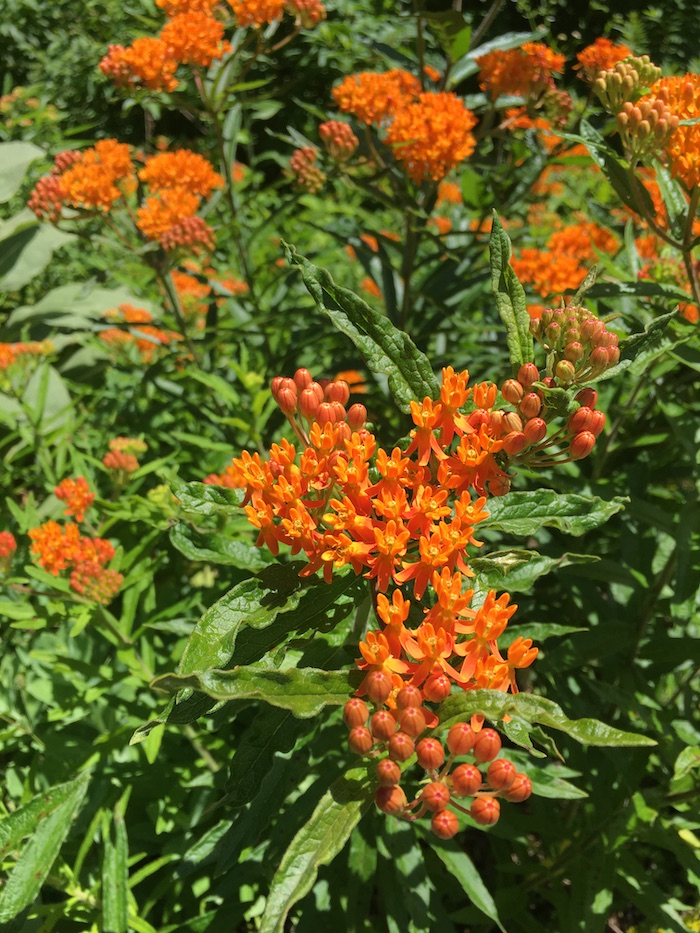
[(11, 353), (195, 39), (373, 96), (526, 71), (175, 7), (159, 214), (77, 496), (431, 73), (146, 62), (582, 240), (432, 135), (308, 13), (256, 12), (599, 56), (549, 274), (91, 181), (448, 193), (682, 96), (370, 286), (180, 169)]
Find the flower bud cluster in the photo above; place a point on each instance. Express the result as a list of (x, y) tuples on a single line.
[(8, 546), (121, 459), (646, 127), (397, 739), (579, 346), (338, 139), (322, 402), (307, 174), (308, 13), (626, 81)]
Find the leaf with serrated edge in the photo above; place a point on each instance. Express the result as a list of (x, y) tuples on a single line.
[(510, 297), (494, 705), (387, 350), (525, 513), (304, 691), (317, 843)]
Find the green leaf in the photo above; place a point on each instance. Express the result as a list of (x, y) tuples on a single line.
[(49, 825), (461, 867), (115, 874), (674, 200), (644, 346), (217, 549), (510, 297), (15, 159), (303, 691), (273, 730), (508, 570), (525, 513), (204, 499), (76, 305), (386, 350), (533, 709), (28, 251), (317, 843)]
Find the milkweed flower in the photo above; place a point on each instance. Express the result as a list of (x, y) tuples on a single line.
[(527, 71), (174, 7), (195, 39), (308, 13), (432, 135), (180, 168), (77, 495), (374, 97), (147, 63), (8, 546), (256, 12), (599, 56), (682, 98)]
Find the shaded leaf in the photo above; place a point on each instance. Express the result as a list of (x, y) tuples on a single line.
[(520, 575), (115, 875), (217, 549), (510, 297)]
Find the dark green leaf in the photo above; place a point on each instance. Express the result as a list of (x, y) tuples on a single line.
[(386, 350), (217, 549), (525, 513), (517, 574), (510, 298), (115, 876)]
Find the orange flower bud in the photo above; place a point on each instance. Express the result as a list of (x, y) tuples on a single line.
[(581, 445), (512, 391), (573, 351), (338, 392), (527, 374), (486, 745), (435, 796), (596, 422), (437, 688), (444, 824), (390, 800), (485, 810), (308, 403), (378, 686), (520, 789), (431, 754), (287, 400), (401, 746), (409, 696), (302, 378), (460, 738), (383, 725), (512, 421), (579, 420), (501, 774), (535, 430), (587, 397), (357, 416), (360, 740), (514, 443), (355, 713), (412, 721), (530, 405), (325, 414), (466, 780), (565, 371), (388, 772), (338, 411)]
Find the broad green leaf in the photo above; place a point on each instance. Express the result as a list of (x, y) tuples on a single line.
[(47, 394), (317, 843), (78, 304), (510, 298), (205, 499), (27, 875), (217, 548), (255, 602), (517, 574), (386, 350), (525, 513), (15, 159), (273, 730), (27, 252), (461, 867), (303, 691), (533, 709), (115, 874)]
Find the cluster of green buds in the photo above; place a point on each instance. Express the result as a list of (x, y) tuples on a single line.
[(579, 346), (645, 127), (627, 81), (307, 174)]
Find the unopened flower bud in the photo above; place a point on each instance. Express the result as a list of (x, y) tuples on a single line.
[(388, 772), (431, 754), (383, 725), (527, 374), (573, 351), (512, 391), (514, 443), (412, 721), (378, 686), (587, 397), (401, 746), (535, 431), (437, 688), (596, 422), (579, 420), (409, 696), (325, 414), (355, 713), (460, 738), (501, 774), (485, 810), (445, 824), (487, 745), (435, 796), (339, 140), (390, 799), (581, 445), (530, 405), (520, 789), (565, 371), (466, 780), (512, 421), (287, 400), (356, 416), (308, 403), (360, 740), (302, 378)]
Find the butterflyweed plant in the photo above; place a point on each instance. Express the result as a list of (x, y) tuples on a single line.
[(330, 528)]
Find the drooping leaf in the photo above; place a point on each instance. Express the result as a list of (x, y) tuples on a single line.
[(218, 548), (508, 570), (206, 499), (525, 513), (38, 855), (510, 297), (303, 691), (385, 349), (317, 843)]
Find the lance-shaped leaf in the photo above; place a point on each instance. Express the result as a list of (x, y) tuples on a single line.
[(205, 499), (115, 872), (49, 826), (533, 709), (317, 843), (525, 513), (386, 350), (303, 691), (517, 570), (510, 297), (217, 549)]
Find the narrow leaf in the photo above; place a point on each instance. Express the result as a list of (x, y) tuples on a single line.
[(317, 843), (115, 877), (386, 350), (510, 297)]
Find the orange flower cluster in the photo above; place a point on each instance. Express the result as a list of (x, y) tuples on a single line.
[(256, 12), (181, 168), (338, 139), (62, 547), (448, 193), (175, 7), (308, 13), (195, 39), (682, 97), (517, 118), (432, 135), (145, 63), (549, 274), (148, 340), (373, 97), (582, 240), (8, 546), (11, 353), (599, 56), (121, 459), (307, 174), (527, 71), (77, 495)]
